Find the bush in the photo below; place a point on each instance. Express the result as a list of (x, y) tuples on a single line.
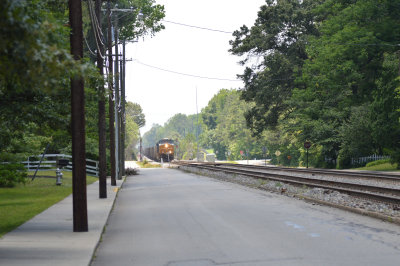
[(11, 174), (131, 171), (378, 162)]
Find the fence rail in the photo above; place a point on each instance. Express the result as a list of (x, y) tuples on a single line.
[(50, 163), (367, 159)]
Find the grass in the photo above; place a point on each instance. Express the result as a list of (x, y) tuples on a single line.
[(231, 162), (146, 164), (380, 167), (22, 202)]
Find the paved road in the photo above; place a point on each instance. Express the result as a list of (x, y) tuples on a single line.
[(168, 217)]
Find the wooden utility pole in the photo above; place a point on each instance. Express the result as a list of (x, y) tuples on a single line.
[(102, 113), (79, 200), (117, 100), (110, 98), (123, 121)]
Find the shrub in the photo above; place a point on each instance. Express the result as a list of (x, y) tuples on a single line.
[(131, 171), (378, 162), (11, 174)]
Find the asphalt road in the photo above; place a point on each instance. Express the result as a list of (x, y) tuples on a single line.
[(168, 217)]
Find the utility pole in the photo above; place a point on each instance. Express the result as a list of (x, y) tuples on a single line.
[(197, 129), (122, 115), (118, 137), (102, 115), (79, 197), (110, 98), (117, 100), (140, 148)]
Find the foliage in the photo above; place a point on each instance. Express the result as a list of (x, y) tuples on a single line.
[(131, 171), (131, 138), (377, 162), (380, 167), (135, 112), (143, 20), (225, 130), (277, 39), (36, 68), (12, 171), (147, 164), (11, 174), (182, 129), (328, 74)]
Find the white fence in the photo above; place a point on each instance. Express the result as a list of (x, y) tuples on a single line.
[(50, 163), (365, 160)]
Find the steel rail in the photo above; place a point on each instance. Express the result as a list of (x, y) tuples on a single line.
[(366, 191), (341, 173)]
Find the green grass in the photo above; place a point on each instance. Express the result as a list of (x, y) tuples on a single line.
[(380, 167), (146, 164), (22, 202)]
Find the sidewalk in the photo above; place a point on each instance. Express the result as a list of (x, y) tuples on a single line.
[(48, 238)]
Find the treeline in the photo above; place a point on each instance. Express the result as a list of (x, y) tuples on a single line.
[(327, 72), (323, 71), (36, 68), (220, 127), (181, 128)]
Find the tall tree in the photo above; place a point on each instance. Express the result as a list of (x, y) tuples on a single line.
[(277, 39), (135, 112), (350, 77)]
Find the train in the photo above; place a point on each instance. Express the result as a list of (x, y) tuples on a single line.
[(163, 150)]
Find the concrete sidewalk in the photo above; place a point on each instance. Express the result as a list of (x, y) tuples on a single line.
[(48, 238)]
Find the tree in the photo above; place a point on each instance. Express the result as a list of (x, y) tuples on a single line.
[(135, 119), (278, 39), (351, 65), (131, 138), (135, 112), (151, 137), (143, 20), (35, 67), (225, 127)]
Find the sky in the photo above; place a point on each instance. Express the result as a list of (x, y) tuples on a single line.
[(187, 50)]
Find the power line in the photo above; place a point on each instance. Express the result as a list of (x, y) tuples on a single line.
[(87, 44), (197, 27), (185, 74), (96, 30)]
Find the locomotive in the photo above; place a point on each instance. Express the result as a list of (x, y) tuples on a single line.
[(164, 149)]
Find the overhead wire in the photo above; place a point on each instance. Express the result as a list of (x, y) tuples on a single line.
[(97, 27), (97, 33), (87, 44), (184, 74), (197, 27)]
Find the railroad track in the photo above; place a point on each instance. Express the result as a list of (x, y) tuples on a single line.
[(374, 192), (329, 172)]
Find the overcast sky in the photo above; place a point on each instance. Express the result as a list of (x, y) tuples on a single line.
[(189, 51)]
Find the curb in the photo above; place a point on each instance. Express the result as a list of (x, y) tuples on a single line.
[(116, 189)]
